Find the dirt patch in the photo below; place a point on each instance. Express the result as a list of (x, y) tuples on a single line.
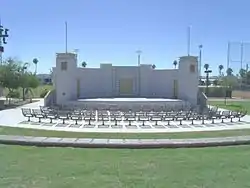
[(241, 94)]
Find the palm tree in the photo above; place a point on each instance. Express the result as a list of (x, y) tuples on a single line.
[(229, 72), (84, 64), (35, 61), (175, 63), (153, 66), (206, 67), (221, 67), (25, 66)]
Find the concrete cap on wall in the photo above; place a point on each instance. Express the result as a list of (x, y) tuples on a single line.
[(189, 58), (65, 55)]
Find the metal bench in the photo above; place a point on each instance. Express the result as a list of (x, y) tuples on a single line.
[(63, 115), (192, 117), (130, 117), (213, 116), (156, 119), (143, 118), (181, 117), (27, 113), (103, 116), (52, 115), (241, 114), (225, 115), (38, 114), (233, 115), (89, 116), (116, 117), (168, 118), (76, 117)]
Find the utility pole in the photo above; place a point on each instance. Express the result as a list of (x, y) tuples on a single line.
[(228, 54), (3, 36), (200, 52), (66, 37), (139, 71), (138, 57), (241, 62), (188, 40)]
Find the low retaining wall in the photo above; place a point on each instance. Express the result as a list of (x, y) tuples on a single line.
[(49, 98), (123, 143)]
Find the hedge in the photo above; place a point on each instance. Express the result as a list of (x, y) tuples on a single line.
[(217, 91)]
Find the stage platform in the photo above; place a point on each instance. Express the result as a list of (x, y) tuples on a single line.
[(130, 103)]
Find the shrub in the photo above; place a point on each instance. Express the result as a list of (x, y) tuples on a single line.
[(217, 91), (13, 94), (43, 93)]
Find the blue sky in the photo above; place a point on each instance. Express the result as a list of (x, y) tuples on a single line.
[(112, 30)]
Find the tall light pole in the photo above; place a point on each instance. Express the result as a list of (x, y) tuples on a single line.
[(188, 40), (241, 61), (66, 37), (139, 52), (228, 54), (241, 54), (3, 36), (207, 72), (139, 71), (200, 52)]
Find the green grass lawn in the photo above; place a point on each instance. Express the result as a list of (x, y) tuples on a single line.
[(29, 167), (36, 132), (232, 105)]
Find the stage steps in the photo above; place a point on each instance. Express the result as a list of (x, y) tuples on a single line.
[(128, 103)]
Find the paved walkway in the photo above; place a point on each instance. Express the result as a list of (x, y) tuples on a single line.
[(14, 118), (122, 143), (11, 117)]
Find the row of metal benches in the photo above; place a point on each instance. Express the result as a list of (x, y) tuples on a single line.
[(118, 116)]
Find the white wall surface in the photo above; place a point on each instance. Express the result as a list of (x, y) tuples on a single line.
[(104, 81)]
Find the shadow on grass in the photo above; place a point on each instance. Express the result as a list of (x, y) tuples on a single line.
[(15, 104)]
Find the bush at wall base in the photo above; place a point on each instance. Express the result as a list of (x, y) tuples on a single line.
[(44, 93), (217, 91)]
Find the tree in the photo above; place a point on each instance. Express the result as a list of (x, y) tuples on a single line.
[(35, 61), (32, 83), (27, 80), (175, 63), (9, 74), (153, 66), (84, 64), (14, 74), (242, 73), (215, 82), (206, 67), (229, 72), (228, 82), (221, 67)]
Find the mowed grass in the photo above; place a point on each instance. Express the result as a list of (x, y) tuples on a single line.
[(64, 134), (29, 167), (232, 105)]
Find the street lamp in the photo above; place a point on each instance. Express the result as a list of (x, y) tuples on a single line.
[(139, 71), (3, 36), (207, 72), (23, 70)]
